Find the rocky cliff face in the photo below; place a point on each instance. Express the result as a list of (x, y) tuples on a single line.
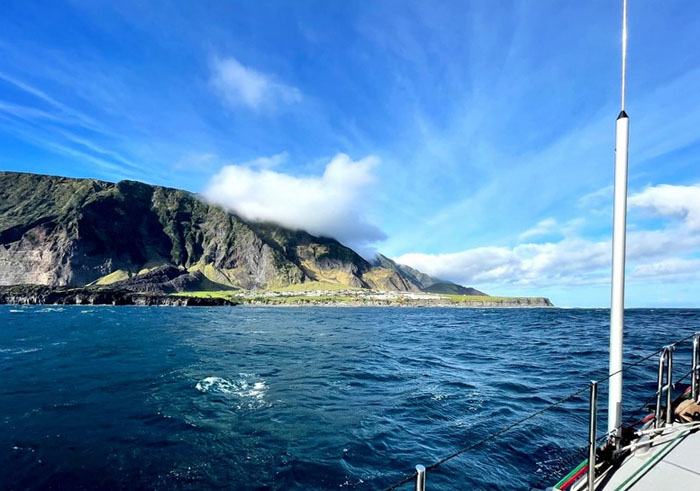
[(66, 232)]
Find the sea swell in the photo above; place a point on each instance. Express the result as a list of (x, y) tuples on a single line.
[(310, 399)]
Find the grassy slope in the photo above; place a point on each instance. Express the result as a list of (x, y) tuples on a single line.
[(309, 286), (344, 299)]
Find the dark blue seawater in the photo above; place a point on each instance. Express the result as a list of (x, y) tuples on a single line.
[(303, 398)]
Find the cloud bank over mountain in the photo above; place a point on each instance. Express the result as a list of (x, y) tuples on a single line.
[(334, 204)]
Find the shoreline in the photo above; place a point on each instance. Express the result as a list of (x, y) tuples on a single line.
[(430, 305), (82, 296), (92, 296), (283, 306)]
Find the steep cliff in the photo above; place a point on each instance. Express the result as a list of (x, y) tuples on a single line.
[(59, 231)]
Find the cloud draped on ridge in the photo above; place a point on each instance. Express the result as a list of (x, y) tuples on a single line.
[(652, 254), (333, 204)]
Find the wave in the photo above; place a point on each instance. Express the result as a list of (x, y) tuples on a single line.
[(51, 309), (19, 351), (249, 392), (215, 385)]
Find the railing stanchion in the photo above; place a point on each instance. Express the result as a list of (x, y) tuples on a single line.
[(420, 478), (669, 393), (665, 384), (592, 430), (695, 379), (660, 387)]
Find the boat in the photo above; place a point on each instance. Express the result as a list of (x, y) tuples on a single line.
[(661, 450)]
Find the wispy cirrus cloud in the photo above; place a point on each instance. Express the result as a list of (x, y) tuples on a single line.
[(239, 85), (267, 162), (45, 121), (57, 111), (543, 227)]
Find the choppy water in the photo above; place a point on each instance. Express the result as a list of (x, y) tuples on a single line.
[(255, 398)]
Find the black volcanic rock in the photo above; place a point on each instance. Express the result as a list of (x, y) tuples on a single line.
[(46, 295)]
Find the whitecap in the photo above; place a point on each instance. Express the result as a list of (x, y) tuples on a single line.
[(257, 391), (51, 309), (214, 385), (19, 351), (248, 390)]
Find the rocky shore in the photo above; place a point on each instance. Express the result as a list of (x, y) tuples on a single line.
[(41, 295)]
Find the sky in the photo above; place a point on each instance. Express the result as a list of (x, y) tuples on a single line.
[(473, 140)]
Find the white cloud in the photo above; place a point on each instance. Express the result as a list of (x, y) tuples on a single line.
[(333, 204), (675, 268), (653, 255), (595, 198), (567, 261), (543, 227), (671, 201), (239, 85)]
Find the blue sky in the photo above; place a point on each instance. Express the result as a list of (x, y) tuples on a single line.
[(472, 139)]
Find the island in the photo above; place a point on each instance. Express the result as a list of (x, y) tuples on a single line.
[(85, 241)]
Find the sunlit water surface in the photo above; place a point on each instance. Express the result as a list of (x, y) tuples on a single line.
[(304, 398)]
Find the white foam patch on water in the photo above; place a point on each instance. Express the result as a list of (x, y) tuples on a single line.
[(249, 390), (351, 483), (19, 351), (214, 385)]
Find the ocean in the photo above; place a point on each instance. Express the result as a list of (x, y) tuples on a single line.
[(307, 398)]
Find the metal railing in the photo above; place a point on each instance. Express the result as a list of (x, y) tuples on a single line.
[(592, 430), (420, 478), (695, 379), (664, 385), (665, 370)]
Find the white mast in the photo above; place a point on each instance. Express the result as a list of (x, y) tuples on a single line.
[(617, 303)]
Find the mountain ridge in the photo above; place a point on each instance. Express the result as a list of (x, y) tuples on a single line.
[(60, 231)]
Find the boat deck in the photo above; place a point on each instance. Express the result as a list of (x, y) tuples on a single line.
[(672, 461)]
